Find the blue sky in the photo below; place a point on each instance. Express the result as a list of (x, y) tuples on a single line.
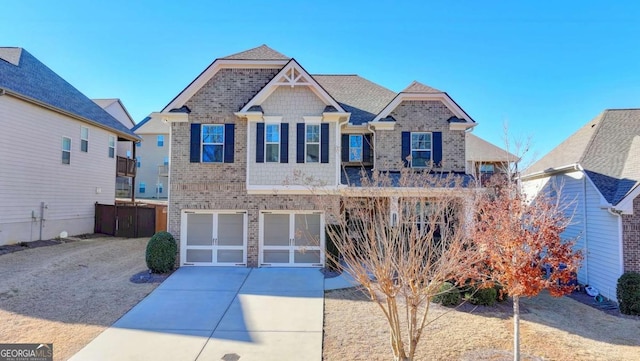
[(545, 67)]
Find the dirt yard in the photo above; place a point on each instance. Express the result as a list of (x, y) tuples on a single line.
[(551, 329), (69, 293)]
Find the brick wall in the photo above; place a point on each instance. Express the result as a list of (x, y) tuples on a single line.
[(221, 186), (425, 116), (631, 238)]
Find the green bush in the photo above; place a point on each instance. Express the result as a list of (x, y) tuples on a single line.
[(628, 293), (448, 295), (484, 297), (161, 252)]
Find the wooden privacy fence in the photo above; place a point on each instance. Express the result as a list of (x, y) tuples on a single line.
[(130, 220)]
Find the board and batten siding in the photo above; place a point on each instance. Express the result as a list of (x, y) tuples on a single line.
[(31, 172), (596, 229)]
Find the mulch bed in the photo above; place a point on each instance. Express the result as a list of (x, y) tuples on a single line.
[(148, 277), (45, 243)]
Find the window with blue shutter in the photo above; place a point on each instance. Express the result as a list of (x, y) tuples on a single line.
[(300, 137), (324, 143), (406, 147), (366, 149), (344, 148), (259, 142), (284, 143), (437, 149), (229, 142), (194, 149)]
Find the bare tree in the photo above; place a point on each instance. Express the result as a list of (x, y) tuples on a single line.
[(401, 236)]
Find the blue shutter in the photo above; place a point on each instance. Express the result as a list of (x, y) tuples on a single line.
[(300, 143), (229, 142), (345, 147), (284, 143), (194, 154), (437, 149), (406, 147), (366, 148), (324, 143), (259, 142)]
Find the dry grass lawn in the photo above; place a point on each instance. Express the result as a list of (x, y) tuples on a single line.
[(551, 329), (69, 293)]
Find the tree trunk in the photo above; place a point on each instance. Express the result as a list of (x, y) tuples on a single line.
[(516, 328)]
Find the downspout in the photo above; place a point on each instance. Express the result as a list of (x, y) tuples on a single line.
[(584, 226), (618, 213)]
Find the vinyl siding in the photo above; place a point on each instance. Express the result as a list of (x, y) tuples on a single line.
[(598, 238), (151, 156), (32, 172)]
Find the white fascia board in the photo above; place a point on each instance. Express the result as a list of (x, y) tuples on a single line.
[(336, 116), (552, 171), (407, 192), (377, 125), (208, 73), (626, 204), (443, 97), (250, 116), (356, 129), (461, 126), (274, 83)]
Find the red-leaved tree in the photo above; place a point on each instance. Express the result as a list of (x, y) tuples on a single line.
[(522, 244)]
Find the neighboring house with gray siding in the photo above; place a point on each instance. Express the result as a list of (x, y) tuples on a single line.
[(597, 172), (251, 121), (58, 152), (152, 159)]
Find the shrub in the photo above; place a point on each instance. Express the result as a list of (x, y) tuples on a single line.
[(628, 293), (448, 295), (484, 297), (161, 252)]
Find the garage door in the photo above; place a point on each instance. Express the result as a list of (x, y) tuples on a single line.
[(214, 238), (292, 239)]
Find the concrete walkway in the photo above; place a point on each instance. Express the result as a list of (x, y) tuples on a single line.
[(210, 313)]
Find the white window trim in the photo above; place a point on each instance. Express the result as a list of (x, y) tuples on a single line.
[(430, 150), (202, 143), (361, 147), (84, 139), (319, 142), (64, 150), (112, 139), (266, 142)]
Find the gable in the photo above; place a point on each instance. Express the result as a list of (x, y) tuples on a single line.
[(293, 75)]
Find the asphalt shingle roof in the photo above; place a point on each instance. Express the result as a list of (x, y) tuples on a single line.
[(359, 96), (417, 87), (607, 148), (30, 78), (262, 52)]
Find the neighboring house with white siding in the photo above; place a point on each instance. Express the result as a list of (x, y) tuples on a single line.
[(58, 152), (597, 173), (117, 110), (251, 121), (152, 159)]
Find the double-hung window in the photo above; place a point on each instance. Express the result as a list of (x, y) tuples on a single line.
[(487, 168), (166, 161), (420, 149), (112, 146), (66, 150), (142, 187), (160, 140), (312, 141), (84, 139), (213, 143), (355, 148), (138, 163), (272, 143)]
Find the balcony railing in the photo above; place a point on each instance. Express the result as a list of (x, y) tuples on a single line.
[(125, 167), (163, 171)]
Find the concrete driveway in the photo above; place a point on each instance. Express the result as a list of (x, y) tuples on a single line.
[(209, 313)]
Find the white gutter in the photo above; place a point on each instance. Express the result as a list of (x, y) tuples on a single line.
[(553, 171), (375, 140)]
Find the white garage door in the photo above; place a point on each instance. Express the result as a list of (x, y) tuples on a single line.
[(292, 239), (214, 238)]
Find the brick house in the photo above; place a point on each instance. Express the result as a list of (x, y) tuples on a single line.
[(597, 172), (251, 120)]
